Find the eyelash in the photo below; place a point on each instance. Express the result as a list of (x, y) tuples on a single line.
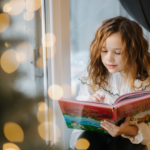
[(115, 52)]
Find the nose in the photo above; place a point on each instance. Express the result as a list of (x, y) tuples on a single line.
[(110, 57)]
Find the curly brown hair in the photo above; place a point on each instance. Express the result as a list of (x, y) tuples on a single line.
[(134, 51)]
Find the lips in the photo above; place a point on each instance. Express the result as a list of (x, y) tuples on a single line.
[(111, 66)]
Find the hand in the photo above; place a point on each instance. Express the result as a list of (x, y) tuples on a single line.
[(96, 98), (124, 128)]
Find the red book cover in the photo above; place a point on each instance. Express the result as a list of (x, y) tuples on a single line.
[(87, 115)]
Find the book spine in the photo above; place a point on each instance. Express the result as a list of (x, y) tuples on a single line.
[(114, 114)]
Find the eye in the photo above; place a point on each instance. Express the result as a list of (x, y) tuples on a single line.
[(117, 53), (104, 51)]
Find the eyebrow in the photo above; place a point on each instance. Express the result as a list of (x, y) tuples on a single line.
[(114, 48)]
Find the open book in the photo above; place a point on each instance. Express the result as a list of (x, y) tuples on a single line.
[(87, 115)]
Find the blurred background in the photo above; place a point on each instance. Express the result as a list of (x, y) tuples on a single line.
[(44, 49)]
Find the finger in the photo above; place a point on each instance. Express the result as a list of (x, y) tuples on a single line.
[(127, 120), (113, 131), (94, 99), (102, 98), (109, 124), (108, 130), (97, 96)]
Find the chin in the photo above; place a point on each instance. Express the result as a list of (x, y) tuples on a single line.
[(113, 71)]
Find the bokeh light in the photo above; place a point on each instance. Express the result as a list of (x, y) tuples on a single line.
[(25, 51), (42, 106), (17, 6), (82, 144), (7, 8), (28, 15), (50, 51), (4, 22), (46, 131), (55, 92), (43, 112), (10, 146), (7, 44), (13, 132), (39, 63), (33, 5), (10, 61), (50, 39)]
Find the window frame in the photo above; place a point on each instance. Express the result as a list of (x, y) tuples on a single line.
[(56, 20)]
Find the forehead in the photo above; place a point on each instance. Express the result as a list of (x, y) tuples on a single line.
[(113, 41)]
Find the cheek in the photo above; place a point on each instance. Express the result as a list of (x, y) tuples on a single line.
[(102, 57), (120, 60)]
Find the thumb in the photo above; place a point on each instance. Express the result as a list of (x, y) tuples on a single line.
[(103, 96), (127, 119)]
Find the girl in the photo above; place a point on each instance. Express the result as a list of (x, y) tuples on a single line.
[(119, 64)]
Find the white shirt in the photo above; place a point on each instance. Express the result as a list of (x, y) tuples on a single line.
[(112, 91)]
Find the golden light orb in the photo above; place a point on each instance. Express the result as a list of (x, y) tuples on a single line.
[(33, 5), (17, 6), (42, 106), (45, 114), (13, 132), (50, 39), (55, 92), (50, 51), (4, 22), (25, 51), (39, 63), (46, 131), (10, 61), (7, 8), (82, 144), (7, 44), (10, 146)]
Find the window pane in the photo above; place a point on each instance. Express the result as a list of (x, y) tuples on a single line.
[(86, 17), (22, 107)]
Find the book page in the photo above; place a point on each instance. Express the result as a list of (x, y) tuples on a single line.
[(138, 108), (133, 95)]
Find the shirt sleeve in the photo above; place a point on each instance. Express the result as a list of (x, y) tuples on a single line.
[(137, 138)]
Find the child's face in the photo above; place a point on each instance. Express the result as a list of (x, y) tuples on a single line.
[(111, 53)]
